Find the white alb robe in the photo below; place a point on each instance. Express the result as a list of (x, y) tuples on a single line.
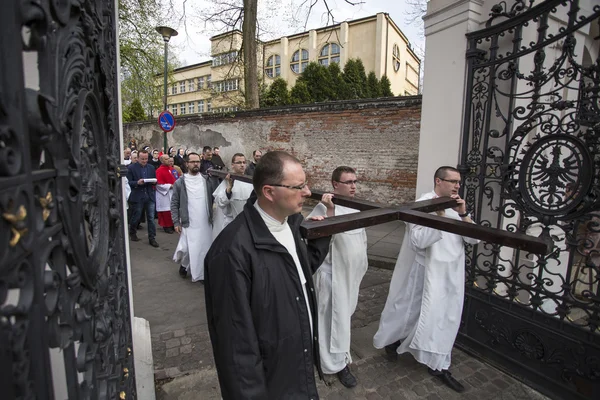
[(228, 208), (425, 300), (196, 239), (337, 283), (164, 193)]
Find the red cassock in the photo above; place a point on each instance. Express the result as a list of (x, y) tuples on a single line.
[(164, 175)]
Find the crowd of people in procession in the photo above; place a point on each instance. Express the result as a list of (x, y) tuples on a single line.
[(279, 306)]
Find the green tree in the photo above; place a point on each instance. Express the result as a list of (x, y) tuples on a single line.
[(277, 94), (373, 85), (135, 112), (318, 81), (386, 87), (338, 83), (142, 53), (356, 80), (300, 94)]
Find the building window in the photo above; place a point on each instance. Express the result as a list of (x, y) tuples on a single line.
[(200, 106), (226, 86), (191, 85), (273, 68), (182, 108), (396, 57), (225, 58), (299, 61), (208, 106), (182, 87), (209, 82), (174, 89), (201, 83), (191, 105), (330, 53), (174, 109)]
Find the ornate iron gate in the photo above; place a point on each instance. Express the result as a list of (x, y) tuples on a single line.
[(65, 329), (531, 163)]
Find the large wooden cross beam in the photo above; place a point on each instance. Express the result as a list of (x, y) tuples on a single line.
[(416, 213)]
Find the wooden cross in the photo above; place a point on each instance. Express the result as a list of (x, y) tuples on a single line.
[(416, 213)]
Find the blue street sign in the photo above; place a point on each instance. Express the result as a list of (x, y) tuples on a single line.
[(166, 121)]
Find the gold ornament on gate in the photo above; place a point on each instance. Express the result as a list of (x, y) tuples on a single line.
[(18, 227), (47, 205)]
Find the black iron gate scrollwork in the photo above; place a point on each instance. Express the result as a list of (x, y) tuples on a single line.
[(65, 323), (531, 163)]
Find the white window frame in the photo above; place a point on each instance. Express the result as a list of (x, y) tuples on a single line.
[(327, 55), (301, 63), (200, 106), (273, 67)]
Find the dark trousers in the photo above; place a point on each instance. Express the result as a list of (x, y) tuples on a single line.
[(136, 213)]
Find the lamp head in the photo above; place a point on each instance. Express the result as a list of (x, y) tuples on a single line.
[(166, 32)]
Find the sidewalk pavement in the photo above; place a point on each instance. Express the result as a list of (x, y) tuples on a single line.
[(183, 361)]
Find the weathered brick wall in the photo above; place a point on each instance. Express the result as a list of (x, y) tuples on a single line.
[(379, 138)]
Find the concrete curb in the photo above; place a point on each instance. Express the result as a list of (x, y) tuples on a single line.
[(382, 262)]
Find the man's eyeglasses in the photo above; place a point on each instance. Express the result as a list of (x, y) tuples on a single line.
[(299, 187), (452, 181), (354, 182), (240, 162)]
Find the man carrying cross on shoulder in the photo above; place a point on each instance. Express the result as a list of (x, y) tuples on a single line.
[(337, 281), (424, 306)]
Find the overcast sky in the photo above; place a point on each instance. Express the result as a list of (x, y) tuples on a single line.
[(278, 18)]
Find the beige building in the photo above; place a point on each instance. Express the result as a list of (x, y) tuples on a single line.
[(216, 85)]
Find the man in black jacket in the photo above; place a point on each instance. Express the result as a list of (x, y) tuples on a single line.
[(260, 299)]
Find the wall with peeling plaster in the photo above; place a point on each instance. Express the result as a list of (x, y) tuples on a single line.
[(380, 138)]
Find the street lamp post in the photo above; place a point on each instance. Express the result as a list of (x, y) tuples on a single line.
[(166, 33)]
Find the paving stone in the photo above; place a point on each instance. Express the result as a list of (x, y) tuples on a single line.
[(433, 396), (187, 349), (173, 352), (419, 390), (186, 340), (166, 336), (173, 343), (501, 383), (179, 333)]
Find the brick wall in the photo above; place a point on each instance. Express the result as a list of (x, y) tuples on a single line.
[(380, 138)]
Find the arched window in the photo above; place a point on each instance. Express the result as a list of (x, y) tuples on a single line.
[(396, 57), (273, 68), (299, 61), (330, 53)]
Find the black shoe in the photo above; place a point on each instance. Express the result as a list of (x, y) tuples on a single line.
[(134, 237), (140, 226), (390, 351), (201, 281), (182, 271), (448, 379), (153, 243), (346, 377), (170, 230)]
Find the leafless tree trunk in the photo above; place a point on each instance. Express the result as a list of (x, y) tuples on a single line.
[(250, 53)]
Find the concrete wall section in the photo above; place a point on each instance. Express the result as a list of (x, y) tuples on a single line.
[(378, 138)]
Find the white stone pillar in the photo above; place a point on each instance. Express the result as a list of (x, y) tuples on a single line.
[(446, 23), (380, 45), (343, 44), (285, 59), (313, 54)]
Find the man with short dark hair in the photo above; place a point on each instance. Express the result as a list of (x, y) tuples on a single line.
[(192, 213), (256, 154), (425, 301), (337, 282), (231, 196), (142, 178), (206, 162), (260, 302)]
